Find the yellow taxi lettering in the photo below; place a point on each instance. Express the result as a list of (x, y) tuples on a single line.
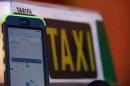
[(93, 68), (53, 32), (65, 52), (67, 59), (70, 50), (80, 54)]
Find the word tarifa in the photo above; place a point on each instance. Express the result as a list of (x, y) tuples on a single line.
[(24, 10), (66, 54)]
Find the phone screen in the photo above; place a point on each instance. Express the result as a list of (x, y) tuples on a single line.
[(26, 57)]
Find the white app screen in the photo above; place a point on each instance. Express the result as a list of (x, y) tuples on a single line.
[(26, 57)]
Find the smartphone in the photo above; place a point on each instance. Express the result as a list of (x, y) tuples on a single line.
[(25, 51)]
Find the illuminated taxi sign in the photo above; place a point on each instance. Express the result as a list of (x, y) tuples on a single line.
[(70, 50)]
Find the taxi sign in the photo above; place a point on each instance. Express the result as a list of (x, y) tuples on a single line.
[(77, 45), (70, 50)]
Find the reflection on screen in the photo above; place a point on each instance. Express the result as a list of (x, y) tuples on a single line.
[(26, 59)]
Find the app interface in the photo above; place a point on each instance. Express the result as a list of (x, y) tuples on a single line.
[(26, 57)]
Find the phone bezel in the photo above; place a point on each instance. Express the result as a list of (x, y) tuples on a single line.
[(35, 24)]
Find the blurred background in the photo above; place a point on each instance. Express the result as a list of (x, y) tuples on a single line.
[(116, 19)]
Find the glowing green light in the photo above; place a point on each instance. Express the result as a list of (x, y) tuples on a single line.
[(4, 17)]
